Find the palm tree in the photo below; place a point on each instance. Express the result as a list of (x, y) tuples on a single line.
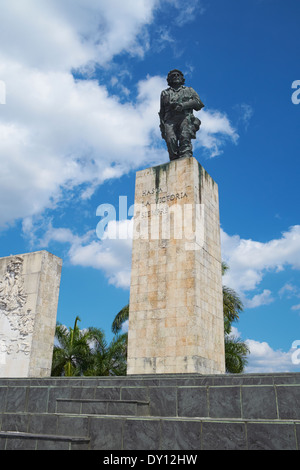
[(120, 318), (86, 352), (232, 304), (107, 359), (71, 354), (236, 350)]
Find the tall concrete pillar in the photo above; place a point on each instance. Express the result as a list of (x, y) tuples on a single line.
[(176, 307)]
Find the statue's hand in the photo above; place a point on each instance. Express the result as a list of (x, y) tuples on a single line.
[(178, 108)]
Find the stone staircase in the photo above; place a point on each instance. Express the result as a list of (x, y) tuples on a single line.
[(160, 413)]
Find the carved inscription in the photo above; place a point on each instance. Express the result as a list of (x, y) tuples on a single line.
[(151, 191), (164, 214), (14, 347), (160, 198)]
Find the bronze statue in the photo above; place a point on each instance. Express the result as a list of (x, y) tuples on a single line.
[(178, 124)]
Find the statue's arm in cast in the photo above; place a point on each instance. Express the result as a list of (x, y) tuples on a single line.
[(193, 103)]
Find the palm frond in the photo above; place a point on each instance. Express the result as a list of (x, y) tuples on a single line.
[(120, 318)]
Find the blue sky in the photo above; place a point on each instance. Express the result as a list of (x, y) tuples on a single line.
[(80, 86)]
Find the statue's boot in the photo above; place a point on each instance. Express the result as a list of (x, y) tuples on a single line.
[(173, 149), (185, 148)]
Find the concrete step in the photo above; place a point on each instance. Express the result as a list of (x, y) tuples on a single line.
[(12, 440), (279, 401), (157, 380), (152, 433), (185, 412), (82, 406)]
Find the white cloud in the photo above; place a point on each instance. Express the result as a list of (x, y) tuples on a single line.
[(258, 300), (51, 34), (187, 10), (263, 358), (234, 333), (215, 131), (245, 112), (57, 132), (288, 289), (125, 326), (296, 307), (250, 260), (111, 255)]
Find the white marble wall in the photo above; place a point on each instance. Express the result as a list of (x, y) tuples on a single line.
[(29, 289)]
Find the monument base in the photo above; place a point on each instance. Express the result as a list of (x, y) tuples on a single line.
[(176, 320)]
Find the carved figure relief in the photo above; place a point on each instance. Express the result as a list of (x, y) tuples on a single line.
[(12, 304), (12, 296)]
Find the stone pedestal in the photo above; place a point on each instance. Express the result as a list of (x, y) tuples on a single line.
[(176, 306), (29, 288)]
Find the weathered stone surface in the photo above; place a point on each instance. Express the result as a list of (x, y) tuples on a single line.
[(187, 412), (29, 288), (176, 306)]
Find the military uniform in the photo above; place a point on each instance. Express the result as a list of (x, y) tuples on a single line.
[(178, 124)]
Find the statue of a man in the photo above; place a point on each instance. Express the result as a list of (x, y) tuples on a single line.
[(178, 124)]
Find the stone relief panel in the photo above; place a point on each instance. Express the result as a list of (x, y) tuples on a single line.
[(15, 316)]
